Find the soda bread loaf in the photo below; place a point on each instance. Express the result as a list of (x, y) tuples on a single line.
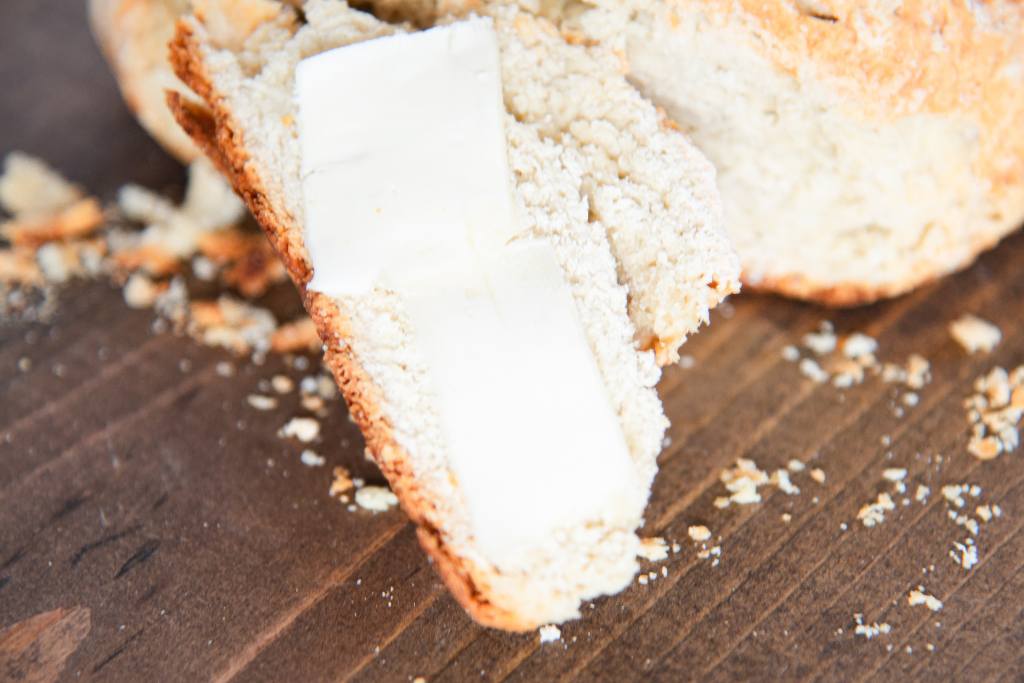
[(562, 165), (863, 147)]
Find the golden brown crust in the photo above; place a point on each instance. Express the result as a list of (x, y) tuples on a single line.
[(944, 57), (213, 129), (845, 295)]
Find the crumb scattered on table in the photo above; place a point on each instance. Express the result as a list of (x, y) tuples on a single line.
[(975, 334)]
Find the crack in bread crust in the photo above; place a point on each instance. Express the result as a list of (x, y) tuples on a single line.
[(216, 133)]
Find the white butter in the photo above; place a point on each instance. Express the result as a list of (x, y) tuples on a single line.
[(407, 186), (403, 154)]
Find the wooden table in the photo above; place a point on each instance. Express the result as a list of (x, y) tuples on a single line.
[(153, 527)]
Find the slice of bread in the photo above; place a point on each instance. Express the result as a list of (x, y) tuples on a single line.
[(246, 124), (863, 147)]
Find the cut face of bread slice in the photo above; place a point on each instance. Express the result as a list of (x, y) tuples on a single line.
[(653, 191), (861, 151), (248, 126)]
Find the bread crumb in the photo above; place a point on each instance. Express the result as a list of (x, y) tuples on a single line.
[(248, 261), (140, 291), (549, 634), (260, 402), (918, 371), (313, 404), (951, 492), (795, 465), (986, 448), (296, 336), (818, 475), (712, 552), (742, 481), (305, 429), (822, 342), (282, 384), (869, 631), (312, 459), (922, 493), (375, 498), (786, 517), (814, 372), (984, 512), (894, 474), (341, 482), (28, 186), (686, 362), (699, 533), (308, 386), (858, 345), (919, 597), (975, 334), (995, 411), (204, 269), (873, 514), (964, 554), (847, 374), (44, 206), (790, 353), (780, 479), (232, 324), (653, 549), (58, 263)]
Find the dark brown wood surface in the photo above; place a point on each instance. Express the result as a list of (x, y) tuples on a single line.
[(153, 527)]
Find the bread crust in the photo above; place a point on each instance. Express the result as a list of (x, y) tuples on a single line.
[(882, 83), (852, 294), (213, 128)]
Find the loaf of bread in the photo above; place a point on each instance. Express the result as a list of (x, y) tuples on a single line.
[(134, 35), (863, 147), (627, 205)]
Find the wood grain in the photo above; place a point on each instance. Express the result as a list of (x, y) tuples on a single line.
[(153, 527)]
